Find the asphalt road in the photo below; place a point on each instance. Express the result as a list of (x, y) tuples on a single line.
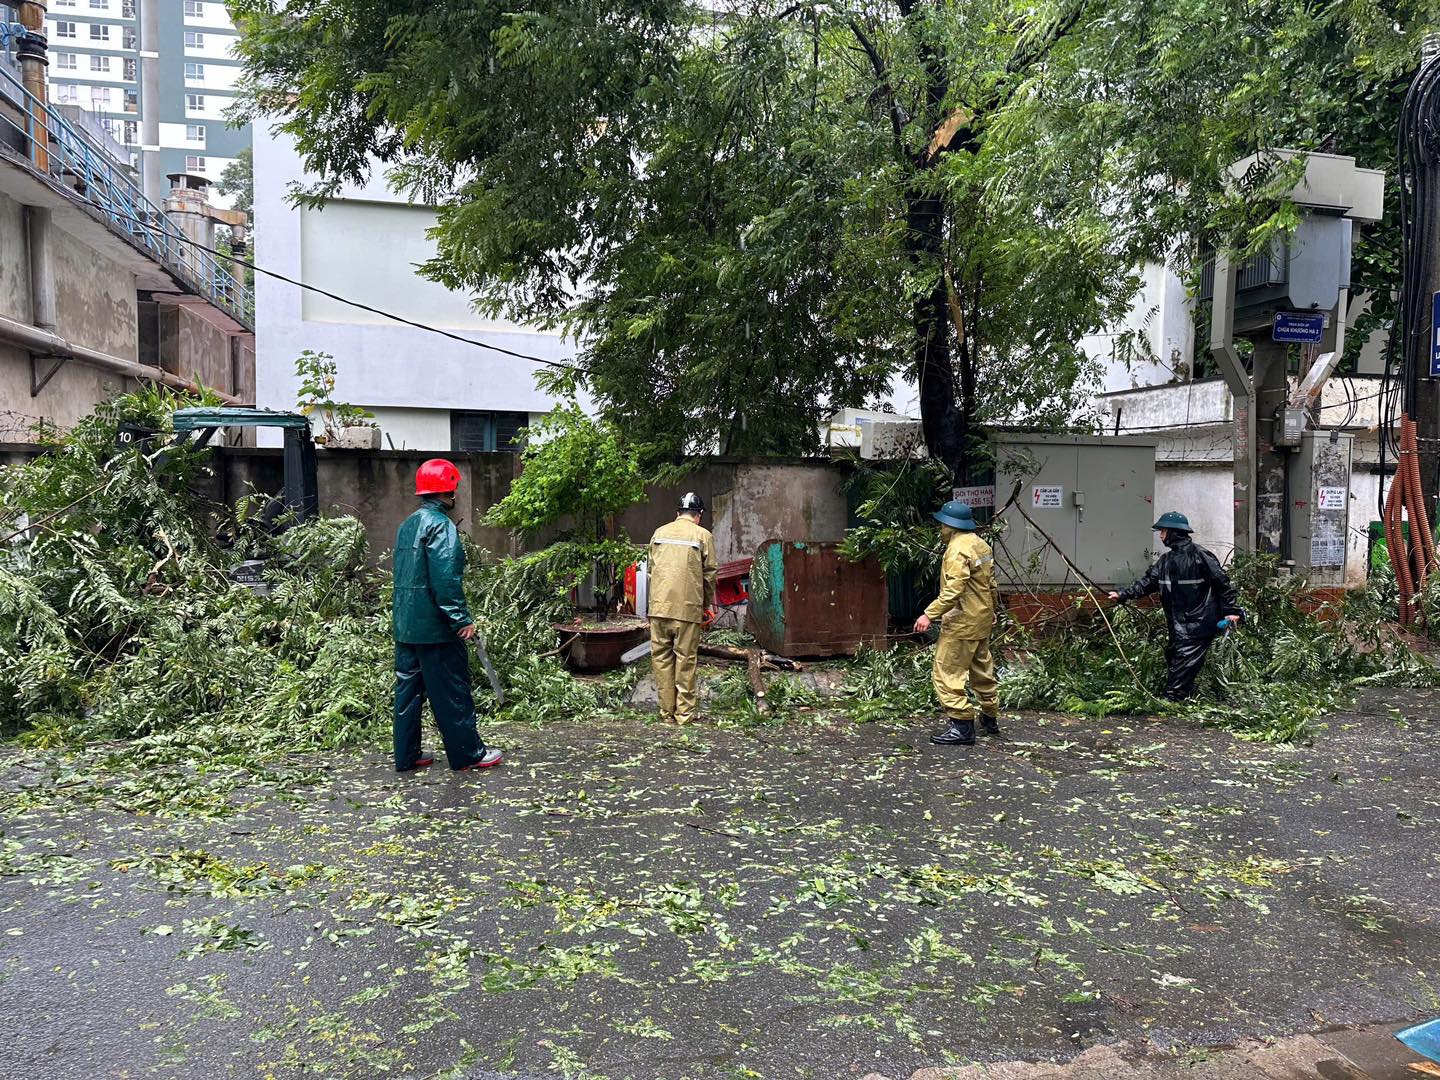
[(623, 900)]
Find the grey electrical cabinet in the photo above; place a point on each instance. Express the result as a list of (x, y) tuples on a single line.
[(1094, 496), (1319, 506)]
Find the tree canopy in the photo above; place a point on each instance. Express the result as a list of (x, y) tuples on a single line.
[(749, 217)]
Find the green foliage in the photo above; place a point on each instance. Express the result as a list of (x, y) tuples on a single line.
[(891, 685), (119, 619), (894, 522), (316, 372), (581, 470), (575, 467), (1267, 681), (238, 180)]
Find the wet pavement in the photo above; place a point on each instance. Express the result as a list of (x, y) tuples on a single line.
[(623, 900)]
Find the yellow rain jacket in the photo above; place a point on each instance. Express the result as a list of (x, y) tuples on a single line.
[(682, 571), (968, 590)]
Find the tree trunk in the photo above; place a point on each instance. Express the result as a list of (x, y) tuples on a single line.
[(943, 422)]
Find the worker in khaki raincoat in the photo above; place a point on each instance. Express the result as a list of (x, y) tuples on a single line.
[(433, 627), (966, 609), (682, 573)]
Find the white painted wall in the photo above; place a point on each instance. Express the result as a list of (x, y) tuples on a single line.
[(1194, 459), (364, 247), (1161, 315)]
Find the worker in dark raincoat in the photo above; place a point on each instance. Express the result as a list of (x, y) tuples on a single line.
[(433, 627), (1197, 596)]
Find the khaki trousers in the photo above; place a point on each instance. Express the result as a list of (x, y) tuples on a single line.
[(963, 664), (674, 652)]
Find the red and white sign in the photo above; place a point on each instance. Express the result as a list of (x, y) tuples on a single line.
[(1047, 498)]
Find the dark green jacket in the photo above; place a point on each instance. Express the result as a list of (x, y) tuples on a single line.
[(430, 603)]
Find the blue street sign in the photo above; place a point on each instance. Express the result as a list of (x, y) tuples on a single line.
[(1304, 327), (1435, 336)]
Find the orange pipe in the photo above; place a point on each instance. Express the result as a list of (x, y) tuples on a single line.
[(1419, 513), (1394, 542)]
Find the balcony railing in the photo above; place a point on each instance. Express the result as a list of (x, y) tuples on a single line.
[(108, 188)]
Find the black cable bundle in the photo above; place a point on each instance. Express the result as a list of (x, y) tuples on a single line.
[(1418, 153)]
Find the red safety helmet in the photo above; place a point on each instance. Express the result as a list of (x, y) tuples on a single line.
[(436, 477)]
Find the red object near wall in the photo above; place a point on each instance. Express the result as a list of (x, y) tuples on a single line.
[(733, 585)]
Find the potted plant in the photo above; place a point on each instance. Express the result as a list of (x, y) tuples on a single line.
[(577, 475), (342, 426)]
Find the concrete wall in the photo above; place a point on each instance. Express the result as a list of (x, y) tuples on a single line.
[(750, 501), (95, 306), (202, 343)]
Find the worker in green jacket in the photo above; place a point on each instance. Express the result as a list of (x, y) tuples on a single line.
[(432, 627)]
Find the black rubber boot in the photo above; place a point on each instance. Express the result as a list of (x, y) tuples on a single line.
[(959, 733), (990, 725)]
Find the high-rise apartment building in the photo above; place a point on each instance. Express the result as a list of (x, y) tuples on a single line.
[(95, 63)]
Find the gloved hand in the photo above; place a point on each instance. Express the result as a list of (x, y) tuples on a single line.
[(707, 619)]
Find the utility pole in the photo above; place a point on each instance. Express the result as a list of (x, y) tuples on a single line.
[(151, 180), (1297, 291)]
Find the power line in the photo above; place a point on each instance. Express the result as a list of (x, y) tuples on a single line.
[(357, 304)]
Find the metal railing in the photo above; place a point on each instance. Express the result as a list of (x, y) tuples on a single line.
[(109, 189)]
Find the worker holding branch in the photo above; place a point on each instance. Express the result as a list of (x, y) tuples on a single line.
[(433, 627), (682, 573), (1198, 598), (966, 607)]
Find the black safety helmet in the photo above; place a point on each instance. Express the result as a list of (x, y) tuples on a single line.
[(690, 503)]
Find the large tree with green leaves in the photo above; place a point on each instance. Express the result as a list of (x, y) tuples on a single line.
[(751, 216)]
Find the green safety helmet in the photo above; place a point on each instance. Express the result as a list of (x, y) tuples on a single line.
[(1175, 520), (957, 515)]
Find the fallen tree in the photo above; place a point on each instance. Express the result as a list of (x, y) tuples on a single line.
[(119, 618)]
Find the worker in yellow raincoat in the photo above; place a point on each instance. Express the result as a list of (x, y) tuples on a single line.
[(682, 573), (966, 609)]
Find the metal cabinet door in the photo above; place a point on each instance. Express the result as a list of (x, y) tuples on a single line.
[(1115, 492), (1047, 473)]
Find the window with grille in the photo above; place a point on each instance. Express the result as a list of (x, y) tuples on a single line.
[(195, 102), (129, 70), (99, 63), (194, 164), (128, 39), (194, 73), (62, 3), (487, 432), (65, 30), (99, 32), (66, 61), (194, 9), (195, 133), (99, 5), (132, 101), (194, 39), (127, 9)]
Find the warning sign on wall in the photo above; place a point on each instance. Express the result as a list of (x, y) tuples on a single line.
[(1331, 498), (1047, 498)]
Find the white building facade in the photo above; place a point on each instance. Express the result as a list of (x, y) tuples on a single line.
[(427, 391)]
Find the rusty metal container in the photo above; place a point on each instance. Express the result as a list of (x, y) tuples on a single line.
[(806, 599)]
